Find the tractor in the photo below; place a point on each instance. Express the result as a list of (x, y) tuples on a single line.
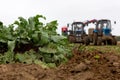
[(77, 33), (101, 34), (64, 30)]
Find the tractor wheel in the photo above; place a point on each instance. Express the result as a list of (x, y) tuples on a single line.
[(95, 37), (86, 40), (71, 39), (99, 41), (105, 42), (114, 41), (109, 42)]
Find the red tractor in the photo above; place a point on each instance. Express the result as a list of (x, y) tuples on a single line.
[(64, 30)]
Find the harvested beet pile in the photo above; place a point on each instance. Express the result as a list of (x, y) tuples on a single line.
[(83, 66)]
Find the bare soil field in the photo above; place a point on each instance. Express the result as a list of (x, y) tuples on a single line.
[(87, 65)]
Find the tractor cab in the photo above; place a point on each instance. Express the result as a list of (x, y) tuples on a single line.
[(103, 27), (77, 28)]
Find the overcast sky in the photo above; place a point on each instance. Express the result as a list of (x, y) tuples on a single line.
[(65, 11)]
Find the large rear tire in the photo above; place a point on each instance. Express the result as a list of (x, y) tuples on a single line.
[(99, 42), (71, 39), (114, 41), (110, 42), (86, 41), (104, 42), (95, 38)]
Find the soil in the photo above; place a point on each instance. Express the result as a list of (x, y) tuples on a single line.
[(82, 66)]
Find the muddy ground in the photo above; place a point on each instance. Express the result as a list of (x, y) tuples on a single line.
[(83, 66)]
